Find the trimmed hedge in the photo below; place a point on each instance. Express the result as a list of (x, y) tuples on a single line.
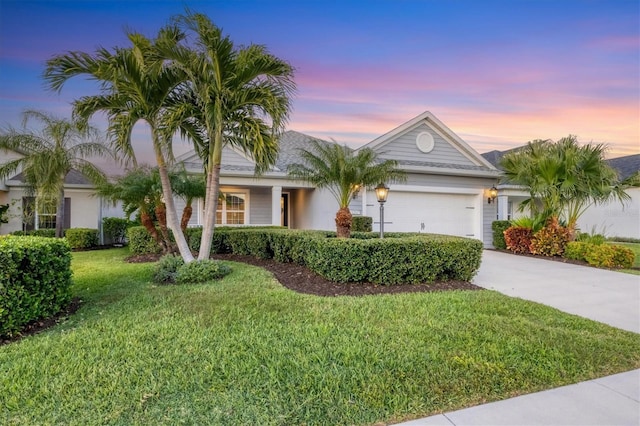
[(141, 242), (35, 281), (361, 224), (498, 227), (47, 233), (82, 238), (115, 229)]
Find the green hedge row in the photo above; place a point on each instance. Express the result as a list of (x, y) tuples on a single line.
[(82, 238), (35, 280), (361, 224), (398, 258), (498, 227), (48, 233)]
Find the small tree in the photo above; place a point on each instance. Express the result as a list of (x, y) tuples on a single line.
[(50, 154), (343, 172), (563, 178)]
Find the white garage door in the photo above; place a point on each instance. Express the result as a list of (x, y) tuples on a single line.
[(451, 214)]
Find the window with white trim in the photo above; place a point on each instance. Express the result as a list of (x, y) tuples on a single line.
[(232, 209)]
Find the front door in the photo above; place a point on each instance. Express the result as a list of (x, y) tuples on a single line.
[(284, 209)]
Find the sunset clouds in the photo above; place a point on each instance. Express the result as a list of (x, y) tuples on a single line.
[(498, 73)]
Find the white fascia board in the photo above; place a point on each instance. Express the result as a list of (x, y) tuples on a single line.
[(451, 172), (264, 181), (435, 189)]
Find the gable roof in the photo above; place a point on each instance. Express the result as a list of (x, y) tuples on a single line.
[(290, 143), (626, 166), (473, 164), (74, 177)]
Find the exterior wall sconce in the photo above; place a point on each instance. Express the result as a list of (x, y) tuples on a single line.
[(381, 194), (356, 189), (493, 193)]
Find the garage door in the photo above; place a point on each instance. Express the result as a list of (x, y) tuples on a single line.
[(451, 214)]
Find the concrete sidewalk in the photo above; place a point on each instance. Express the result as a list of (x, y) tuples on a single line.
[(606, 296)]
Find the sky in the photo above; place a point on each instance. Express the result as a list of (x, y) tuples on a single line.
[(497, 73)]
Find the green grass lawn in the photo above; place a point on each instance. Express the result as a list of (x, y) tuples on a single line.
[(245, 350)]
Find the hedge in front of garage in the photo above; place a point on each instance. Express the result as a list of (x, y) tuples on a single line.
[(407, 259), (35, 281)]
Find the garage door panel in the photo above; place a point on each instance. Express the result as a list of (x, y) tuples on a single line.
[(450, 214)]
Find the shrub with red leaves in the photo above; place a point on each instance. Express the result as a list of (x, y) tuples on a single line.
[(518, 239)]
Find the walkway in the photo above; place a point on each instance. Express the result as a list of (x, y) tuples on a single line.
[(606, 296)]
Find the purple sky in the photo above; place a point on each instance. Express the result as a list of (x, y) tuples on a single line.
[(498, 73)]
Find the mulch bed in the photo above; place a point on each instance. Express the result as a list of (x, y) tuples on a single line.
[(301, 279)]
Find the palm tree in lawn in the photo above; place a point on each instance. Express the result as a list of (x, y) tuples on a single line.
[(343, 172), (189, 188), (564, 177), (136, 85), (235, 96), (50, 154)]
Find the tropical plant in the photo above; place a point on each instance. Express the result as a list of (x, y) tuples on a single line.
[(234, 96), (189, 188), (343, 172), (49, 154), (563, 178), (136, 84)]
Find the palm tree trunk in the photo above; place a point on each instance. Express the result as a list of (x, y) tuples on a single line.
[(60, 215), (343, 223), (147, 222), (211, 206), (186, 216), (172, 217), (161, 215)]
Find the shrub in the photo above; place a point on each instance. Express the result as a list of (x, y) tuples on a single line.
[(576, 250), (200, 271), (166, 269), (46, 233), (518, 239), (498, 227), (35, 281), (82, 238), (140, 242), (600, 255), (361, 224), (625, 239), (407, 259), (550, 240), (115, 228)]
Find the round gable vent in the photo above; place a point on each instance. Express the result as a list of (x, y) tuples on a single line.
[(425, 142)]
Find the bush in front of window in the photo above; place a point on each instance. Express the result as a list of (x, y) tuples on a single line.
[(46, 233), (35, 282), (82, 238)]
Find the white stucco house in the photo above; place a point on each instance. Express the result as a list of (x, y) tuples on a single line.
[(446, 190)]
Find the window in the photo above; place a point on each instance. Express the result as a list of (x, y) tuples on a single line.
[(231, 209), (42, 215)]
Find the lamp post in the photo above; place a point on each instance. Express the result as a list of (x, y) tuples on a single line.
[(381, 193)]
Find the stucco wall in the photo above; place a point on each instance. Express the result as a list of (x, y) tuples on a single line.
[(614, 219)]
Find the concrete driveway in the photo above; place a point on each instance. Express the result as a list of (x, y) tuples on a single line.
[(601, 295)]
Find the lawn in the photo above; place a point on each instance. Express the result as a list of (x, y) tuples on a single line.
[(245, 350)]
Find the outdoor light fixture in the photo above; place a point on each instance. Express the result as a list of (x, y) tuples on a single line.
[(355, 188), (493, 193), (381, 193)]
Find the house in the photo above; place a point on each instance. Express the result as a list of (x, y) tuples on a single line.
[(82, 208), (446, 190), (610, 219)]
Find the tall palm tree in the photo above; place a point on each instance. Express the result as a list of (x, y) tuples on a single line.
[(564, 177), (137, 84), (235, 96), (343, 172), (50, 154), (189, 188)]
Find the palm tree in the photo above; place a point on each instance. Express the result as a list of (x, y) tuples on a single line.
[(235, 96), (189, 188), (343, 172), (136, 84), (564, 177), (50, 154)]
